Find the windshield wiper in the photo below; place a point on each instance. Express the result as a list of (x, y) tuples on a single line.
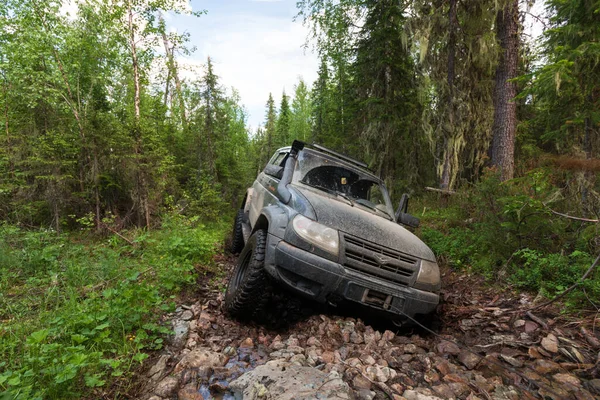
[(345, 196), (365, 204)]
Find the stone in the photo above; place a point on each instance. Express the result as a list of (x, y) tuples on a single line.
[(446, 347), (388, 336), (284, 381), (593, 386), (364, 394), (512, 361), (444, 390), (155, 373), (469, 359), (398, 388), (543, 367), (414, 395), (367, 359), (360, 382), (248, 343), (313, 341), (530, 326), (181, 330), (328, 357), (299, 359), (356, 338), (189, 392), (519, 323), (187, 315), (567, 379), (443, 367), (410, 348), (550, 343), (167, 386), (295, 349), (201, 357)]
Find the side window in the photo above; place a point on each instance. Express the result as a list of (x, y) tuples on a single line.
[(278, 160)]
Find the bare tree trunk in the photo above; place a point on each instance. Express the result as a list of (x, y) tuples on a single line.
[(172, 71), (505, 109), (141, 178), (448, 147)]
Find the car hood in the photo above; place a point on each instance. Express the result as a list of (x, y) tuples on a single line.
[(336, 213)]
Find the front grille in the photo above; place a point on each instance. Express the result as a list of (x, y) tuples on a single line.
[(379, 261)]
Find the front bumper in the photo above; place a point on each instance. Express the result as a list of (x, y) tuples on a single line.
[(327, 281)]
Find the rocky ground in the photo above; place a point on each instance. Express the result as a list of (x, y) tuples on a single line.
[(484, 346)]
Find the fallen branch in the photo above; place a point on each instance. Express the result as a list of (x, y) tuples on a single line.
[(117, 233), (572, 217), (570, 289), (537, 319), (442, 191)]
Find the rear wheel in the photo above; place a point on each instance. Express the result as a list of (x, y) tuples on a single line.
[(249, 287), (237, 237)]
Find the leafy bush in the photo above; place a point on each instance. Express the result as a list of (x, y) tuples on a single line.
[(79, 314), (506, 230)]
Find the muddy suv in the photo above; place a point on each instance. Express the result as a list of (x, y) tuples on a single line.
[(322, 225)]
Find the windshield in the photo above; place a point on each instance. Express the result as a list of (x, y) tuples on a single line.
[(340, 179)]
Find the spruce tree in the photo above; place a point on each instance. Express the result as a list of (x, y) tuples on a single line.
[(283, 122)]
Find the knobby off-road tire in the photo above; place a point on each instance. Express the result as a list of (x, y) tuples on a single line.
[(237, 237), (249, 287)]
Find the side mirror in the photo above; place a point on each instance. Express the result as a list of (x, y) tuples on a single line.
[(402, 215), (274, 170)]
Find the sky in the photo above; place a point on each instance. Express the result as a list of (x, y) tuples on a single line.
[(255, 47)]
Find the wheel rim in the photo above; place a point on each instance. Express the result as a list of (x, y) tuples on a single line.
[(241, 271)]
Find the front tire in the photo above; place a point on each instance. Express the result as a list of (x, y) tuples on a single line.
[(249, 286), (237, 237)]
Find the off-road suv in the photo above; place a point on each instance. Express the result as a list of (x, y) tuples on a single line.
[(321, 224)]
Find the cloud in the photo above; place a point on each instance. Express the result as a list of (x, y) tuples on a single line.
[(256, 54)]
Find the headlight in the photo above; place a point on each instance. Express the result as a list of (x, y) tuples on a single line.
[(321, 236), (429, 276)]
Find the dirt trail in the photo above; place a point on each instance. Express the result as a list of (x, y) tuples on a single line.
[(479, 349)]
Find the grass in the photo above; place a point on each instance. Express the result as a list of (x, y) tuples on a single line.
[(79, 313)]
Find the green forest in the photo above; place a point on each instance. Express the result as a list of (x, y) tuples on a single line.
[(120, 175)]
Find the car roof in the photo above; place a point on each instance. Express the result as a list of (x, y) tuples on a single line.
[(354, 164)]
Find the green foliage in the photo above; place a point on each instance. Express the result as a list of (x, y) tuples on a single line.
[(79, 313), (506, 231)]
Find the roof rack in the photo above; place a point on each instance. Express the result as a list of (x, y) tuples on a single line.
[(343, 157)]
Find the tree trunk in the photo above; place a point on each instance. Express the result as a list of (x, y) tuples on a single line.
[(135, 65), (172, 71), (505, 109), (449, 131)]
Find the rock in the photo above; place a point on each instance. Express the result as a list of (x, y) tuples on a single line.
[(550, 343), (543, 367), (414, 395), (167, 386), (459, 389), (328, 357), (410, 348), (444, 390), (593, 386), (364, 394), (299, 359), (283, 381), (446, 347), (519, 323), (201, 357), (229, 351), (444, 367), (187, 315), (380, 374), (248, 343), (512, 361), (534, 353), (295, 349), (469, 359), (567, 379), (530, 326), (181, 329), (367, 359), (313, 341), (396, 387), (189, 392), (388, 336), (431, 376), (356, 338), (360, 382), (155, 373), (154, 398)]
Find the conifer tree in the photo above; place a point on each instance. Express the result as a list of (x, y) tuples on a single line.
[(283, 122)]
